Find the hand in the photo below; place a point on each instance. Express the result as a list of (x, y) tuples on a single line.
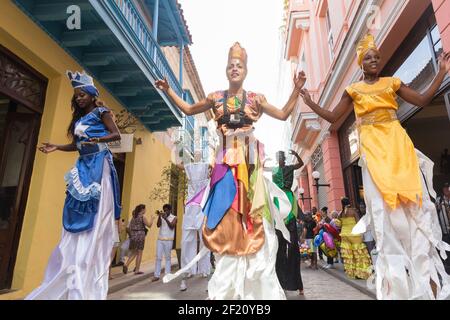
[(48, 147), (299, 80), (293, 152), (260, 99), (304, 93), (94, 140), (162, 85), (90, 142), (444, 61)]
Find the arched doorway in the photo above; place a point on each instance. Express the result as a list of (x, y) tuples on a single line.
[(22, 94)]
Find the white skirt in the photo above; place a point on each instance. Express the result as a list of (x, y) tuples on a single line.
[(253, 276), (407, 240), (250, 277), (78, 267)]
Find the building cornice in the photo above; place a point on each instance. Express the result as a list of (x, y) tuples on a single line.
[(297, 20), (347, 56)]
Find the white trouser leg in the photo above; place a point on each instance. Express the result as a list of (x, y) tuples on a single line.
[(189, 249), (167, 247), (204, 265), (159, 255)]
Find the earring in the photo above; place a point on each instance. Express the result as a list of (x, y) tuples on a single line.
[(364, 75)]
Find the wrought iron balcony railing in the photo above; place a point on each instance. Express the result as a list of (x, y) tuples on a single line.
[(144, 37)]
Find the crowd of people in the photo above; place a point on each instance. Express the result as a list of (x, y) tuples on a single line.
[(250, 219), (328, 236)]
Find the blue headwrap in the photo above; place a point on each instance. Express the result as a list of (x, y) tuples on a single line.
[(83, 82)]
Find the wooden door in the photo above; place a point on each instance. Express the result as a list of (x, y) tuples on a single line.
[(16, 160)]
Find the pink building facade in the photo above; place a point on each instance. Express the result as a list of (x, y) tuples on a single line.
[(321, 38)]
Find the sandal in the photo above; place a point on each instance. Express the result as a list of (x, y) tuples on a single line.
[(125, 269), (139, 272)]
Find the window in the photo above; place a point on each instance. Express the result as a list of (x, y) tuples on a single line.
[(435, 38), (205, 145), (415, 61), (330, 35)]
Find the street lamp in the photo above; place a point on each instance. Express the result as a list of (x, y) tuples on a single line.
[(316, 177), (301, 191)]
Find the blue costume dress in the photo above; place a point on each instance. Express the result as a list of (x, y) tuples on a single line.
[(78, 267)]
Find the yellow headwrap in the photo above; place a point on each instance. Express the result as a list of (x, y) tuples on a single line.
[(365, 44), (237, 52)]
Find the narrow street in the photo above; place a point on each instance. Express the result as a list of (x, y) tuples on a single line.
[(318, 285)]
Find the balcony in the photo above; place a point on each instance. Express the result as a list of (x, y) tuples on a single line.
[(306, 130), (116, 46), (298, 24)]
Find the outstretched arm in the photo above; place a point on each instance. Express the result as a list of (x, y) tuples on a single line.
[(331, 116), (186, 108), (48, 147), (283, 114), (423, 99)]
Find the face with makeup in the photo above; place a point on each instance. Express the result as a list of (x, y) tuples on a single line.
[(236, 71), (371, 63), (83, 99)]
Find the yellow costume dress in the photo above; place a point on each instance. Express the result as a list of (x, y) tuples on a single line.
[(397, 183), (357, 263)]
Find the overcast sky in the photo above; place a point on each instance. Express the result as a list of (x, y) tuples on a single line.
[(215, 25)]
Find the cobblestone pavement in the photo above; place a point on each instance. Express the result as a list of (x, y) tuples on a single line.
[(318, 285)]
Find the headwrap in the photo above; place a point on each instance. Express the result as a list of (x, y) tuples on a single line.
[(365, 44), (237, 52), (84, 82)]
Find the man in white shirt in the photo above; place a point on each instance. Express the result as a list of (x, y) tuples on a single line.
[(166, 224)]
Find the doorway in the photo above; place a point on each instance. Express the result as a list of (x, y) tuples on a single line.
[(22, 94), (18, 135)]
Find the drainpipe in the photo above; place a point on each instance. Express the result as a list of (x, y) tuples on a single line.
[(180, 77), (155, 20), (155, 27)]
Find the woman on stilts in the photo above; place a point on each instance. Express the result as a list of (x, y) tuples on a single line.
[(397, 181), (78, 268), (238, 202)]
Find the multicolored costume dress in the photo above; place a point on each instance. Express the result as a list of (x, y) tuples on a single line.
[(397, 187), (78, 267), (357, 263), (239, 209)]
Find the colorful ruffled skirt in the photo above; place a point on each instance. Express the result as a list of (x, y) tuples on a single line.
[(357, 262), (240, 223)]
